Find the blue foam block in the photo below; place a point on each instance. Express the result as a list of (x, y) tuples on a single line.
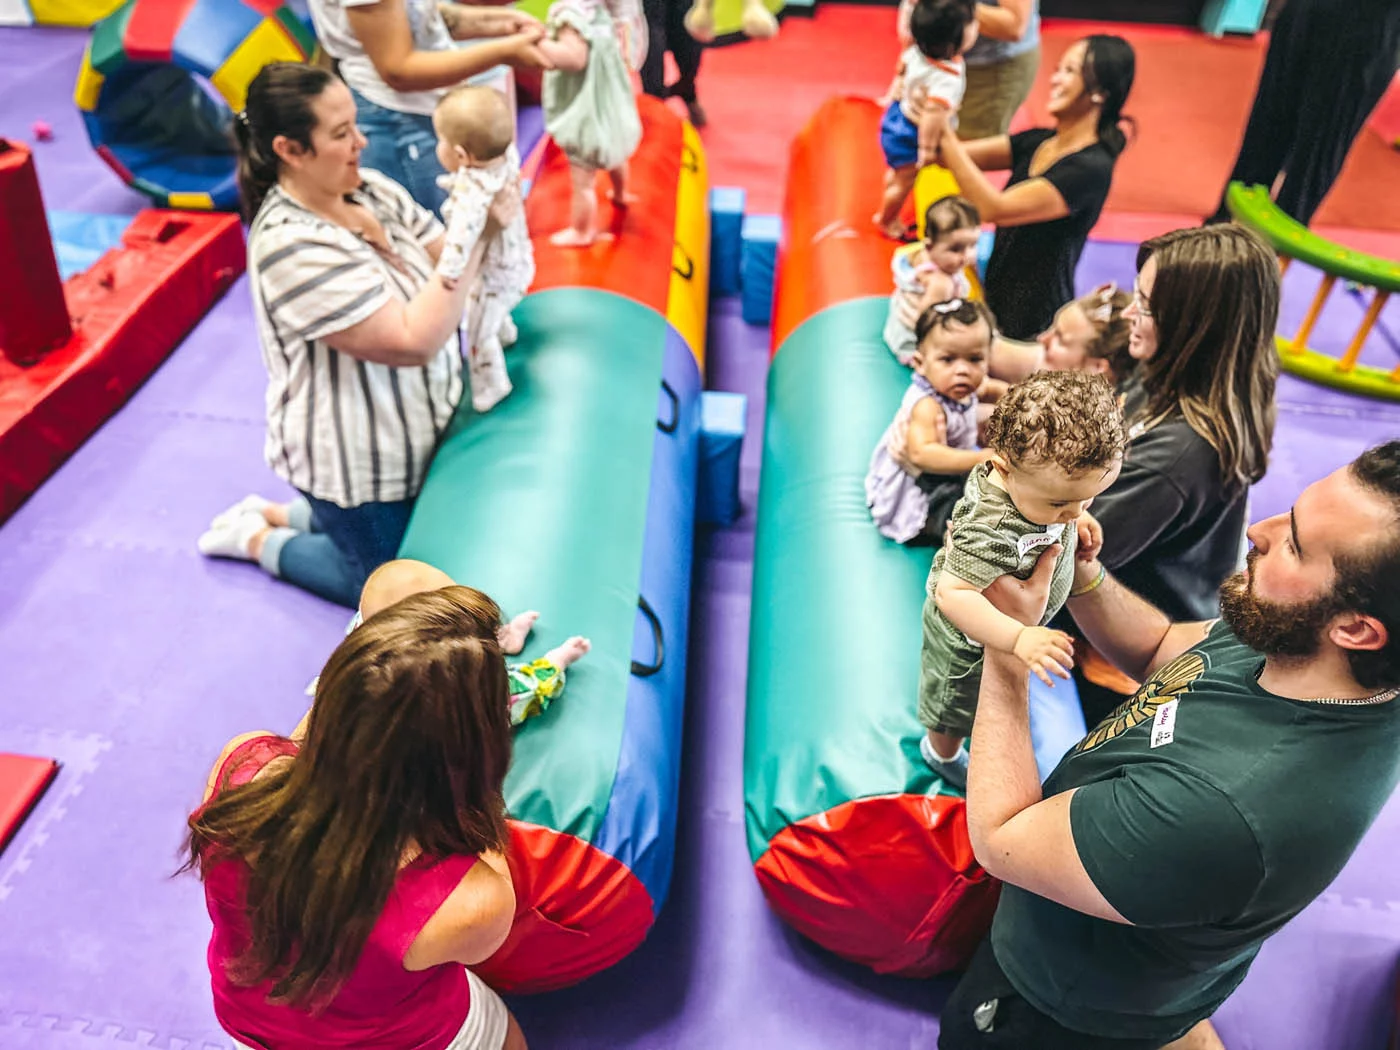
[(79, 239), (726, 238), (1233, 16), (757, 265), (985, 240), (722, 417)]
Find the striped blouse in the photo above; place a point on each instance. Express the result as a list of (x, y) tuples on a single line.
[(338, 428)]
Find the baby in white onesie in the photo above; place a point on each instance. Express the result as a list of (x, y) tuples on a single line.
[(476, 144)]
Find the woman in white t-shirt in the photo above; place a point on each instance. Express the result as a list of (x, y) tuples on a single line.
[(399, 56)]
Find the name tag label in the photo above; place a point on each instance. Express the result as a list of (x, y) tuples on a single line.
[(1036, 540), (1164, 724)]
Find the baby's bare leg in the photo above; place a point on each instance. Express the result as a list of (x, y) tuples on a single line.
[(945, 745), (570, 652), (620, 197), (583, 221), (513, 633), (898, 183)]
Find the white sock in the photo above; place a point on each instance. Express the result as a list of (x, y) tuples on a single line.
[(232, 538), (930, 753), (248, 504)]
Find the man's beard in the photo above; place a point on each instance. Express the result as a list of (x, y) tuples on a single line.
[(1273, 628)]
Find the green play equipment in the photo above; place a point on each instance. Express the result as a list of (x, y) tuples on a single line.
[(1252, 207)]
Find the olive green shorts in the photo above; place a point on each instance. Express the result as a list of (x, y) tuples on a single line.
[(950, 675)]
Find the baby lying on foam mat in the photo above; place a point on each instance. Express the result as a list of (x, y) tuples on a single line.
[(533, 686)]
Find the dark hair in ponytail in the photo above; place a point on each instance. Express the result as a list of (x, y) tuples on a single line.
[(279, 104), (1109, 66)]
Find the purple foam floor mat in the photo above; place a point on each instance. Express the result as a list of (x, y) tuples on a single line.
[(132, 660)]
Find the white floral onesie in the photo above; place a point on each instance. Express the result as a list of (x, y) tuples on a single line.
[(507, 269)]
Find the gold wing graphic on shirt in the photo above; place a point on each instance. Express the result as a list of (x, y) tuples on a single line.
[(1167, 684)]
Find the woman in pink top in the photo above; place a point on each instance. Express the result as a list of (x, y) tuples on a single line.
[(354, 871)]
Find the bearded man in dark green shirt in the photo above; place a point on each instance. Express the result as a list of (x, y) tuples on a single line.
[(1188, 826)]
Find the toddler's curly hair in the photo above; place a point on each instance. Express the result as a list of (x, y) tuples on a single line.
[(1070, 419)]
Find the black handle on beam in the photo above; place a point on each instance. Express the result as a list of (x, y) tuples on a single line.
[(642, 670), (675, 421)]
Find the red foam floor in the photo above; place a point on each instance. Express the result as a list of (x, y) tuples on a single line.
[(1191, 101)]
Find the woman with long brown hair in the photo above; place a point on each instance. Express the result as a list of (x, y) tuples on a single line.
[(1201, 418), (353, 875)]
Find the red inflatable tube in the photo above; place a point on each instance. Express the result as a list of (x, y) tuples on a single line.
[(626, 264), (578, 911), (128, 312), (858, 878), (831, 251)]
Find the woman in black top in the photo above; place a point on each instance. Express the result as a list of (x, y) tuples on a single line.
[(1059, 180), (1201, 421)]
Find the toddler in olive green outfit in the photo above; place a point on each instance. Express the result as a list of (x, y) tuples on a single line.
[(1057, 441)]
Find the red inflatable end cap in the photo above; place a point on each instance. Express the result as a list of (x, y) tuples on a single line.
[(22, 780), (889, 882), (578, 911)]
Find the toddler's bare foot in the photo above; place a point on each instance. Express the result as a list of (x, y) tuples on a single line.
[(513, 633), (624, 200), (895, 230), (572, 650), (572, 238)]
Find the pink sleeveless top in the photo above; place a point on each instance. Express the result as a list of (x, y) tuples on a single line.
[(381, 1006)]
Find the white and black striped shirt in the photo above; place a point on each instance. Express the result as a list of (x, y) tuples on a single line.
[(341, 429)]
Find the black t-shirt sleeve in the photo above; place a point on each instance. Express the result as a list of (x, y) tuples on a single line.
[(1082, 178), (1164, 848), (1138, 509)]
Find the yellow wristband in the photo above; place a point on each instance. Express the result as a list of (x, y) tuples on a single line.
[(1092, 585)]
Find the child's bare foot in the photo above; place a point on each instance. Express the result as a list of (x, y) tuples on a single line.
[(895, 231), (572, 238), (758, 22), (623, 200), (700, 21), (572, 650), (513, 634)]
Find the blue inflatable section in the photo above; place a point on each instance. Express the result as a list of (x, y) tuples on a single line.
[(635, 829)]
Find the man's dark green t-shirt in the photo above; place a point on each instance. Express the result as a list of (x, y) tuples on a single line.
[(1209, 812)]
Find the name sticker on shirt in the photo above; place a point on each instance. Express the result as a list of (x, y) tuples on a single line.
[(1036, 540), (1164, 724)]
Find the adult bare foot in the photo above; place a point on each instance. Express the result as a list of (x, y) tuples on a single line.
[(513, 633), (572, 650)]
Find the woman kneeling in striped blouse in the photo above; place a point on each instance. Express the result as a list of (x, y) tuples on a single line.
[(361, 347)]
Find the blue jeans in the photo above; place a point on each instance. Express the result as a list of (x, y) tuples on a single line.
[(402, 146), (340, 547)]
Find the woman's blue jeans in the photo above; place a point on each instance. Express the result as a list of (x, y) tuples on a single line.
[(331, 550), (402, 146)]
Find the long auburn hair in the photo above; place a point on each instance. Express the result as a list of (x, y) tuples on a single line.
[(1215, 305), (407, 748)]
